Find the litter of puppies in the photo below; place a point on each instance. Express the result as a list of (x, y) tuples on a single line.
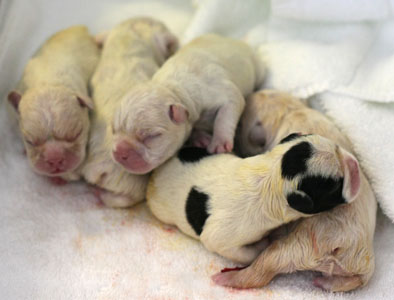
[(121, 111)]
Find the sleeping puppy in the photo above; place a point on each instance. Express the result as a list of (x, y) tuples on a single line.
[(229, 203), (202, 85), (132, 52), (338, 243), (52, 102)]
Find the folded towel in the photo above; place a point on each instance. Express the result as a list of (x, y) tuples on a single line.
[(59, 242)]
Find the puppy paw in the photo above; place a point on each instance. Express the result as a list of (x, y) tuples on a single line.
[(201, 139), (220, 146)]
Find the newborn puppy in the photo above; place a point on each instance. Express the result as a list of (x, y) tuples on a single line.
[(132, 52), (207, 79), (229, 203), (338, 243), (52, 102)]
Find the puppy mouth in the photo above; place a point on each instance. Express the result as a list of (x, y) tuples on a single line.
[(57, 171)]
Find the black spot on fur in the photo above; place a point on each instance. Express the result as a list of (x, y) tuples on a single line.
[(192, 154), (300, 202), (295, 159), (325, 194), (196, 209), (290, 137)]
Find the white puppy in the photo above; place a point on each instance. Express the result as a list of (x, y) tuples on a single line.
[(338, 243), (229, 203), (52, 102), (132, 52), (204, 83)]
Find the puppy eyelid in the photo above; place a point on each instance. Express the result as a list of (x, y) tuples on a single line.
[(150, 137), (74, 137)]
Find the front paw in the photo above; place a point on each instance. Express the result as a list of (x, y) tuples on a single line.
[(218, 145), (200, 139)]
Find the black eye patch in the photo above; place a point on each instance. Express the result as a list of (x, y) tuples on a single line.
[(196, 209), (290, 137), (295, 159), (325, 194), (192, 154)]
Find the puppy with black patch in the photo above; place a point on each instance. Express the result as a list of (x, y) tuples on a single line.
[(132, 52), (229, 203), (52, 102), (202, 87), (337, 243)]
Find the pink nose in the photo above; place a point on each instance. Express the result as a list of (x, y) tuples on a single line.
[(122, 152), (130, 159), (55, 158), (56, 162)]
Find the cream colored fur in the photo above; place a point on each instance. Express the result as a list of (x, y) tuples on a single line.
[(247, 197), (338, 243), (132, 52), (53, 80), (210, 76)]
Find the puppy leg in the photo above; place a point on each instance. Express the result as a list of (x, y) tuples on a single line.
[(111, 199), (245, 254), (116, 200), (200, 138), (226, 122), (282, 256), (338, 283)]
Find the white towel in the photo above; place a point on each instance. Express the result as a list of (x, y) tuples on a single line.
[(60, 243)]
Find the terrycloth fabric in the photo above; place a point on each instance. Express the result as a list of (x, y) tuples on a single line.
[(340, 57), (59, 242)]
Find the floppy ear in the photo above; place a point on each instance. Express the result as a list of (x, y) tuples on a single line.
[(167, 43), (101, 38), (178, 113), (85, 101), (301, 202), (14, 98), (257, 135), (290, 137)]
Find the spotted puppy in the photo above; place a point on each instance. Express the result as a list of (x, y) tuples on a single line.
[(202, 85), (338, 243), (52, 102), (229, 203), (132, 52)]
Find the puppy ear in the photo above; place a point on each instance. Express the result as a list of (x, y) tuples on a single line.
[(257, 135), (101, 38), (85, 101), (290, 137), (178, 113), (301, 202), (14, 98), (167, 43)]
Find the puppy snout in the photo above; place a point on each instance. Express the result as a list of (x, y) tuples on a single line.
[(122, 151), (126, 155), (56, 159), (56, 162)]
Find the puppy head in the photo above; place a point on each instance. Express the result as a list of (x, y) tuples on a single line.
[(54, 123), (317, 174), (155, 34), (149, 126), (261, 120)]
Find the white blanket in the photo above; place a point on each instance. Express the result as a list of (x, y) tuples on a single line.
[(60, 243)]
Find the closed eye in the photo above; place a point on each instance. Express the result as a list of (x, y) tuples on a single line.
[(72, 139), (149, 138), (34, 143)]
